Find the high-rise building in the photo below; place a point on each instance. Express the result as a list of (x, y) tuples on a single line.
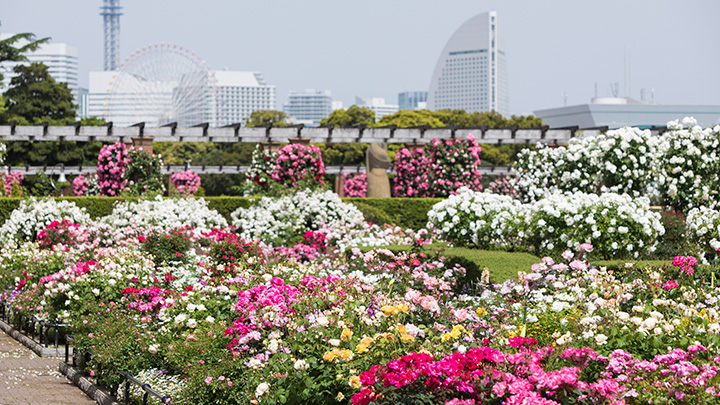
[(60, 58), (309, 106), (224, 97), (239, 94), (377, 105), (471, 72), (412, 100)]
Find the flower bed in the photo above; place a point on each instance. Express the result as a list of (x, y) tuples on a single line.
[(230, 320)]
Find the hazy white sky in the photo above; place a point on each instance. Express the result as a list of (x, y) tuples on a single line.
[(377, 48)]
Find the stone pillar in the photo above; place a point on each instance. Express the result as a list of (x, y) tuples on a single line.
[(340, 184), (143, 143), (271, 147), (300, 141)]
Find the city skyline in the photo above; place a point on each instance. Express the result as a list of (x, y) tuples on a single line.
[(559, 52)]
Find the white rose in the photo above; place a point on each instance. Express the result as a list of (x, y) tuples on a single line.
[(623, 316), (600, 339), (210, 319), (261, 389), (191, 323), (301, 365), (334, 342), (153, 349), (322, 321)]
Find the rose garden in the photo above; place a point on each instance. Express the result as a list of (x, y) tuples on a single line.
[(589, 277)]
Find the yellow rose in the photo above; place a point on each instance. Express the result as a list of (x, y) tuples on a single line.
[(346, 334), (329, 355), (402, 329), (389, 310), (354, 382), (406, 338)]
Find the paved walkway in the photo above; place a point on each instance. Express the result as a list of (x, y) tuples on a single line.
[(26, 379)]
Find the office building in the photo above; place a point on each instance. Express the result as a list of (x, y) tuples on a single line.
[(412, 100), (616, 112), (60, 58), (377, 105), (309, 106), (471, 73)]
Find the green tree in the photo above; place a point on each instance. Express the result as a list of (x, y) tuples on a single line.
[(34, 97), (264, 117), (411, 118), (92, 121), (351, 117), (14, 48)]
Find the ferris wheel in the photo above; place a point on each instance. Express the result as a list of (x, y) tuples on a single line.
[(160, 84)]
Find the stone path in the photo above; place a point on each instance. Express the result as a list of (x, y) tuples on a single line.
[(26, 379)]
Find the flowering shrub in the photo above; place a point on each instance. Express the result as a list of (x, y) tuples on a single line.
[(690, 175), (32, 216), (703, 225), (63, 233), (186, 183), (259, 175), (169, 246), (167, 214), (12, 184), (502, 185), (143, 173), (296, 163), (79, 185), (355, 186), (283, 220), (448, 165), (113, 160), (480, 219)]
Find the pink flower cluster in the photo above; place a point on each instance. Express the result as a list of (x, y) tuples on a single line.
[(483, 374), (686, 263), (65, 233), (79, 185), (112, 163), (502, 186), (355, 186), (186, 183), (447, 166), (252, 304), (146, 299), (11, 179), (296, 163)]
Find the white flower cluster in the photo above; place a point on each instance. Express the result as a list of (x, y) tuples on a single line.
[(277, 219), (622, 161), (32, 216), (477, 218), (703, 227), (690, 174), (3, 153), (616, 224), (681, 167), (167, 214)]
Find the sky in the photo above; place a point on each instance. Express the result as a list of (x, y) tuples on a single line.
[(559, 52)]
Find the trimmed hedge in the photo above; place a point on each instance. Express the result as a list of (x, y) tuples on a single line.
[(404, 212), (503, 265)]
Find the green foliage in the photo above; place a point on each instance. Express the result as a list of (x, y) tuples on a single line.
[(92, 121), (227, 205), (351, 117), (168, 247), (674, 242), (144, 174), (335, 154), (96, 207), (7, 206), (265, 117), (34, 97), (404, 212), (492, 119), (411, 118), (9, 52), (40, 185), (40, 153)]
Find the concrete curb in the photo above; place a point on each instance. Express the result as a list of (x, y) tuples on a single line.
[(36, 347), (99, 395)]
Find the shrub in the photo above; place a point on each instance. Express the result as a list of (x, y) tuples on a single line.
[(79, 184), (186, 183), (112, 163), (355, 186), (143, 175), (168, 247), (62, 232), (283, 220), (32, 216), (447, 166), (297, 163), (703, 226)]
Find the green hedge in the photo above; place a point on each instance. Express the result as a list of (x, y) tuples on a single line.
[(404, 212), (502, 265)]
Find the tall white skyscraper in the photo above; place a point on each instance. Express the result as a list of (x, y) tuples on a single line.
[(309, 106), (471, 72), (60, 58)]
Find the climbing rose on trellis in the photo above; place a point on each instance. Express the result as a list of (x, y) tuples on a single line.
[(186, 183), (297, 163), (438, 171), (112, 163)]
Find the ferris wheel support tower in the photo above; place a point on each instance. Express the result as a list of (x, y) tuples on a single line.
[(111, 21)]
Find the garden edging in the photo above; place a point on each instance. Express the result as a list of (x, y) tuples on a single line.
[(88, 387), (31, 344)]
